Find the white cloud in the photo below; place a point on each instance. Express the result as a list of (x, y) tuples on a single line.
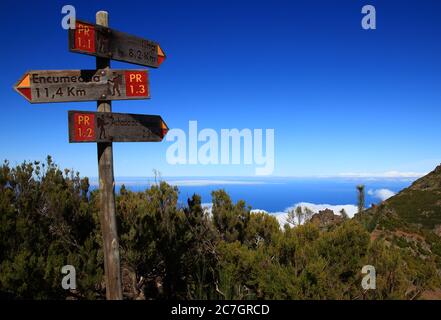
[(280, 216), (382, 194), (387, 174), (207, 207), (350, 209)]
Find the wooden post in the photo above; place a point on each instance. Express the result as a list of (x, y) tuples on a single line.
[(107, 195)]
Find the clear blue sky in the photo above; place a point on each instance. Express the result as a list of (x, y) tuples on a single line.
[(341, 99)]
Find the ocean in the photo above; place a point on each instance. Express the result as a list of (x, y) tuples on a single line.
[(276, 195)]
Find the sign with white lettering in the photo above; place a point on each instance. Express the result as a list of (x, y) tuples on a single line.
[(83, 85)]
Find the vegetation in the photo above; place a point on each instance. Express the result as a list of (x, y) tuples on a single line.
[(360, 197), (49, 218)]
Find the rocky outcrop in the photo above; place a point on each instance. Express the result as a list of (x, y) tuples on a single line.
[(325, 218)]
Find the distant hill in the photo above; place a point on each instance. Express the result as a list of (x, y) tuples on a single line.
[(416, 208), (411, 220)]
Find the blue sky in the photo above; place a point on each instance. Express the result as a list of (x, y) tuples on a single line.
[(340, 99)]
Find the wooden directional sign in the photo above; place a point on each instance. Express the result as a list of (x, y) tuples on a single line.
[(99, 41), (83, 85), (115, 127)]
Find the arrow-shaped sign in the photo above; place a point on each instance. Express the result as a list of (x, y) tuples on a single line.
[(83, 85), (115, 127), (99, 41)]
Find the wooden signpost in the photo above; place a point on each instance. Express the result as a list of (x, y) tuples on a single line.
[(83, 85), (115, 127), (103, 127), (101, 41)]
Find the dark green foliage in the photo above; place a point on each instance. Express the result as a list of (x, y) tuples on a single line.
[(230, 219), (49, 218), (46, 222), (262, 230), (419, 207)]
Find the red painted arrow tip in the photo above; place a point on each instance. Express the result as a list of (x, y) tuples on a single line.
[(160, 59), (26, 92), (161, 55), (164, 129)]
